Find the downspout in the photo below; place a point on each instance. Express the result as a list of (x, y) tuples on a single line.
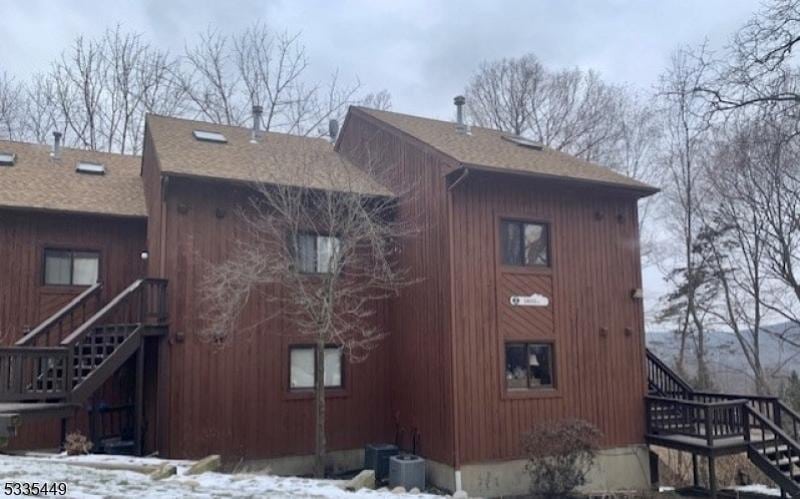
[(453, 383)]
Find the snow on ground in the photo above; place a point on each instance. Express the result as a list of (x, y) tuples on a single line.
[(86, 482), (759, 489)]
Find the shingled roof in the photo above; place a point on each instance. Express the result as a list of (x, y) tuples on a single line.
[(38, 181), (275, 158), (486, 148)]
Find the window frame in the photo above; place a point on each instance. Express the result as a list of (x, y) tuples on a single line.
[(316, 236), (542, 391), (72, 252), (538, 268), (309, 392)]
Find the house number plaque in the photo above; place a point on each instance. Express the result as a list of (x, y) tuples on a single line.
[(534, 300)]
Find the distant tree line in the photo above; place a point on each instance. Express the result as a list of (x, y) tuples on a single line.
[(98, 91)]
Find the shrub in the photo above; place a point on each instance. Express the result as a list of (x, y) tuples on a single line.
[(560, 455), (76, 444)]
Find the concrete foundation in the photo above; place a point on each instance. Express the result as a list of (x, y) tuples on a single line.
[(337, 462), (614, 470), (620, 469)]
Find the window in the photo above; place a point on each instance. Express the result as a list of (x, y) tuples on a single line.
[(301, 370), (7, 158), (522, 141), (91, 168), (207, 136), (71, 268), (529, 365), (316, 254), (525, 244)]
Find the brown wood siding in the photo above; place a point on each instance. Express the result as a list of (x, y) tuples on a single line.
[(594, 266), (233, 400), (25, 300), (421, 381)]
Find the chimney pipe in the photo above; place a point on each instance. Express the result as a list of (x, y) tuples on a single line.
[(461, 127), (256, 132), (56, 153), (333, 129)]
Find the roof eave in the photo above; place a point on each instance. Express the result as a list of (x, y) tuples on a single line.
[(639, 191), (249, 183)]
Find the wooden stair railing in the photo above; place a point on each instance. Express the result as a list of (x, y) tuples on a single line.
[(708, 421), (664, 381), (773, 451), (65, 320), (85, 358)]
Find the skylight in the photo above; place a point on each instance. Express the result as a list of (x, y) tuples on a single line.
[(7, 158), (91, 168), (522, 141), (207, 136)]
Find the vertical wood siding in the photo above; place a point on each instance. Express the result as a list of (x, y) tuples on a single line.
[(420, 358), (25, 300), (594, 266), (234, 401)]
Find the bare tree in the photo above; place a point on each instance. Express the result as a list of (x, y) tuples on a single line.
[(226, 76), (732, 241), (685, 149), (326, 259), (41, 110), (757, 67), (381, 100), (11, 108), (102, 88)]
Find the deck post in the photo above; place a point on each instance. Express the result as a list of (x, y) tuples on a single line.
[(63, 433), (695, 472), (139, 418), (712, 477)]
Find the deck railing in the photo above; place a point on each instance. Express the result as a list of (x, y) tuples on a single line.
[(664, 381), (53, 329), (34, 373), (38, 373), (708, 421)]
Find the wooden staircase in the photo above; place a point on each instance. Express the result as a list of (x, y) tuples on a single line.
[(57, 366), (715, 424)]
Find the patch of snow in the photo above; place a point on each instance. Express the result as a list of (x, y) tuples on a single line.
[(759, 489), (90, 483), (664, 488)]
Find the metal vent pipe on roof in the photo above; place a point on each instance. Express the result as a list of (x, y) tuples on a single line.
[(56, 153), (461, 127), (256, 132), (333, 129)]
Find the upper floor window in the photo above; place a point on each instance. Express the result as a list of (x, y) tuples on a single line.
[(71, 268), (316, 254), (525, 244)]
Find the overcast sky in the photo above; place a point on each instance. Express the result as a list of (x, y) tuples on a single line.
[(423, 52)]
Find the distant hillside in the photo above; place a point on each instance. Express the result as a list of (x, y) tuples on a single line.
[(727, 362)]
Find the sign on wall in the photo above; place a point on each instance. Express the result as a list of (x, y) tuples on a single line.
[(534, 300)]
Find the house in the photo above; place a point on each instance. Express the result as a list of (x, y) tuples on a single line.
[(526, 307)]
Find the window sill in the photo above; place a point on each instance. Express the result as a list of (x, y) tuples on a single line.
[(511, 269), (531, 393), (63, 288), (330, 393)]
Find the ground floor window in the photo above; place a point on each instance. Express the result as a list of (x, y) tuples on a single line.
[(71, 268), (529, 365), (302, 372)]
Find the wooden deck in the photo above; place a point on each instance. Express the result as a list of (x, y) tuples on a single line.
[(699, 444)]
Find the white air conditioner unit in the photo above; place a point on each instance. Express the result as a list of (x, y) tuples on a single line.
[(408, 471)]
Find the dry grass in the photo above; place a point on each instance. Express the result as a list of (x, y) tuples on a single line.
[(675, 469)]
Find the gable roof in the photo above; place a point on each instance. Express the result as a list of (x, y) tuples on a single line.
[(485, 148), (276, 158), (38, 181)]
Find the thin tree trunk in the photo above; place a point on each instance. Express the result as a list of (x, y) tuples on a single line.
[(319, 398)]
